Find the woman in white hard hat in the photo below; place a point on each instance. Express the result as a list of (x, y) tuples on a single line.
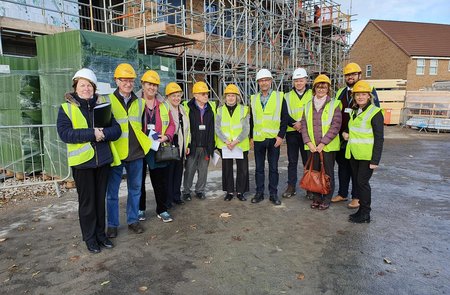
[(320, 126), (232, 128), (90, 155), (181, 139)]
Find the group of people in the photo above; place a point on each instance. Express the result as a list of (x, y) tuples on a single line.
[(347, 128)]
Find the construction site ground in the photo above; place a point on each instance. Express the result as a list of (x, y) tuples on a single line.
[(255, 248)]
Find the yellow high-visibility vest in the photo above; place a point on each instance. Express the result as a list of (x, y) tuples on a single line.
[(266, 123), (231, 126), (360, 139), (133, 118), (327, 117), (296, 106)]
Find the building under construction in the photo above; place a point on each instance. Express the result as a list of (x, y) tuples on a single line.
[(218, 41)]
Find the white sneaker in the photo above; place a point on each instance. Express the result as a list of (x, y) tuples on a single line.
[(165, 217)]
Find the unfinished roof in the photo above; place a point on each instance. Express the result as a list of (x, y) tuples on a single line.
[(417, 39)]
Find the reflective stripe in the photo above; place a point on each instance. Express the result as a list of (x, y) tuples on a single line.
[(124, 135), (361, 140), (287, 96), (361, 129), (134, 119), (270, 130), (79, 151), (330, 110), (121, 121)]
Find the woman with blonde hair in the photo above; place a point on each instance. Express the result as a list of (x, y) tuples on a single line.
[(232, 128)]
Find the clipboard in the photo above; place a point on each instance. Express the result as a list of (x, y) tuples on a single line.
[(102, 115)]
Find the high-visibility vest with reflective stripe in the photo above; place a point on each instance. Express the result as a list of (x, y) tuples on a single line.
[(327, 117), (266, 123), (164, 114), (78, 153), (134, 118), (232, 126), (360, 138), (296, 106)]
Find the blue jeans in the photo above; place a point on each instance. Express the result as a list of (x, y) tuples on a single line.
[(273, 154), (134, 178)]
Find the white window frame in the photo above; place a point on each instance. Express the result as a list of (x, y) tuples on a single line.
[(368, 71), (449, 65), (420, 67), (434, 63)]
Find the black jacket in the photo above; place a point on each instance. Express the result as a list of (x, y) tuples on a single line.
[(202, 138), (68, 134)]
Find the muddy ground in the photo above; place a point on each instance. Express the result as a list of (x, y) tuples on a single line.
[(260, 248)]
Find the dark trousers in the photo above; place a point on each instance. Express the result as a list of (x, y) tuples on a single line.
[(328, 162), (91, 188), (242, 178), (273, 154), (344, 175), (175, 175), (294, 142), (362, 174), (158, 178)]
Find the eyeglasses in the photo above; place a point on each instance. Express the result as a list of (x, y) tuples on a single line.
[(351, 74), (322, 87), (126, 81)]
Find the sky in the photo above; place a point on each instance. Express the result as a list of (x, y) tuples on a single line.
[(428, 11)]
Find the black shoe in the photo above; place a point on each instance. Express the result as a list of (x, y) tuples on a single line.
[(187, 197), (258, 198), (106, 243), (228, 197), (136, 228), (201, 196), (179, 202), (241, 197), (93, 247), (361, 218), (354, 215), (111, 232), (275, 200)]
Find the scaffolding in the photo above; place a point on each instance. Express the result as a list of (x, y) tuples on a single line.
[(228, 41)]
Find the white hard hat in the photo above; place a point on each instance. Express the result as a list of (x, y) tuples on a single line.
[(86, 74), (299, 73), (263, 73)]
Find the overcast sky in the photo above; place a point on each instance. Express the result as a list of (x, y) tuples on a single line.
[(428, 11)]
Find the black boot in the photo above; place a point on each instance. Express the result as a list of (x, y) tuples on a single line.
[(361, 218), (228, 197), (241, 197), (354, 215)]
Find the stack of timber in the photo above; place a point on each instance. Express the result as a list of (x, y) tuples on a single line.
[(391, 93)]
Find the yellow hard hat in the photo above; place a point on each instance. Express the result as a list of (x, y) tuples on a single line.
[(361, 86), (200, 87), (124, 71), (231, 89), (352, 68), (173, 87), (151, 76), (321, 78)]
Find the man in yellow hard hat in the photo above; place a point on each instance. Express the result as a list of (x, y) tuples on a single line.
[(268, 123), (201, 113), (352, 74), (131, 147)]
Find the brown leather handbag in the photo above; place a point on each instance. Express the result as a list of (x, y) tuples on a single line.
[(315, 181)]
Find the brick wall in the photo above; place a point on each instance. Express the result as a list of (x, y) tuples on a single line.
[(373, 48), (415, 82)]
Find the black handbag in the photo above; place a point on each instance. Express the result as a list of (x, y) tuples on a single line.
[(167, 152)]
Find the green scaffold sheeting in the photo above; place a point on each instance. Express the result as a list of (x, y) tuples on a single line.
[(20, 106), (164, 66), (60, 56)]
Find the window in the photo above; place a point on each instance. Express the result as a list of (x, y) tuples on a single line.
[(433, 66), (368, 71), (420, 70), (168, 12), (210, 26), (449, 65)]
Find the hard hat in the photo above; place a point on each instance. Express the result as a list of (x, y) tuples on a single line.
[(86, 74), (352, 68), (263, 73), (200, 87), (124, 71), (173, 87), (151, 77), (299, 73), (231, 89), (361, 86), (322, 79)]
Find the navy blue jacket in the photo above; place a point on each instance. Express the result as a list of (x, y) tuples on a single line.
[(103, 155)]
